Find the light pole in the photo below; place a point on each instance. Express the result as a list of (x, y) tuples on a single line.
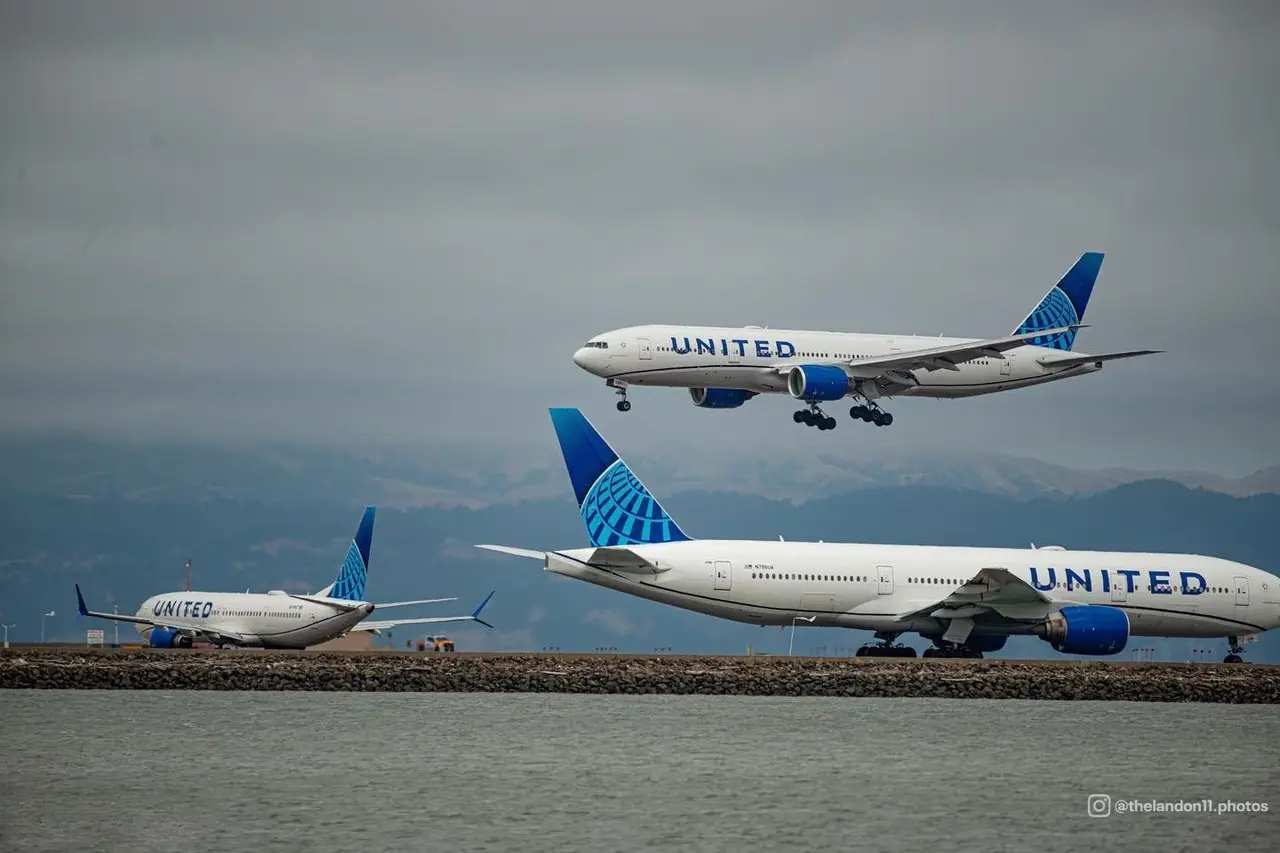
[(6, 633), (791, 644), (42, 618), (115, 608)]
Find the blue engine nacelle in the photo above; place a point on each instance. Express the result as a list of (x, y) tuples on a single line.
[(719, 398), (817, 382), (1086, 629), (167, 638)]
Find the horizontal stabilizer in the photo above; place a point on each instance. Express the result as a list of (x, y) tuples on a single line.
[(407, 603), (515, 552), (623, 560), (1077, 360), (340, 603)]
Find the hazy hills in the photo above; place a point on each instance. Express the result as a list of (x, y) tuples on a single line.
[(122, 522), (155, 472)]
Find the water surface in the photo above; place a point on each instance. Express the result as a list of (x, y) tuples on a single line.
[(366, 773)]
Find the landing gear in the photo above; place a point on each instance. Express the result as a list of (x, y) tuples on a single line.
[(950, 650), (814, 416), (885, 648), (624, 405), (872, 414), (1234, 647)]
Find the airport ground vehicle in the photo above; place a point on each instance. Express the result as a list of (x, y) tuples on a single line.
[(435, 644)]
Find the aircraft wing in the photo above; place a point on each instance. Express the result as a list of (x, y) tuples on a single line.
[(989, 591), (1077, 360), (897, 367), (115, 617), (382, 624), (208, 636)]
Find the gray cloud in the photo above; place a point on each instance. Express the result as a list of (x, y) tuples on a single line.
[(394, 223)]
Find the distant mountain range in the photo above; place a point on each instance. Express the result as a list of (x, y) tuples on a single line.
[(122, 523), (69, 467)]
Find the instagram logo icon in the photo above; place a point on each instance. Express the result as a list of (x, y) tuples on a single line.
[(1099, 805)]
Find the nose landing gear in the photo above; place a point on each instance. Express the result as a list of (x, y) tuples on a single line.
[(624, 405)]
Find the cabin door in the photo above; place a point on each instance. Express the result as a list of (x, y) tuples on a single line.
[(885, 586), (724, 574), (646, 351), (1119, 588), (1242, 592)]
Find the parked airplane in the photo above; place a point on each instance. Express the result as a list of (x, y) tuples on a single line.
[(966, 600), (276, 619), (723, 368)]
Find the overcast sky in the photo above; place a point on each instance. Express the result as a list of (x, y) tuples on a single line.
[(370, 222)]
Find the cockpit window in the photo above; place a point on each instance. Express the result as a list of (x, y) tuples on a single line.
[(596, 344)]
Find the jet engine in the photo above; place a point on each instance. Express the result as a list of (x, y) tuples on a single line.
[(1086, 629), (168, 638), (719, 398), (817, 382)]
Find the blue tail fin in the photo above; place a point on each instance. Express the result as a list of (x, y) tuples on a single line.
[(616, 507), (349, 585), (1064, 305)]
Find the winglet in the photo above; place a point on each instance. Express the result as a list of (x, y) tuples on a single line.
[(475, 614), (82, 610)]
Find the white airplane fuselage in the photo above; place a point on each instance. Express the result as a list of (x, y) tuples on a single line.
[(747, 359), (870, 587), (273, 620)]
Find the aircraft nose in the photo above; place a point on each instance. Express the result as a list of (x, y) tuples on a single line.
[(582, 358)]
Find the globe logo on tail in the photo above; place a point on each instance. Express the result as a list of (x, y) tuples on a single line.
[(618, 510), (1054, 312)]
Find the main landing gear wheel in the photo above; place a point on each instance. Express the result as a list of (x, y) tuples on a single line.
[(813, 416), (885, 648), (871, 414), (951, 652), (1235, 648)]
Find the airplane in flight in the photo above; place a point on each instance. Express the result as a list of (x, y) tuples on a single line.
[(275, 619), (966, 600), (723, 368)]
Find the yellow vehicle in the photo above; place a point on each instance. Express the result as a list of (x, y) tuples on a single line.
[(435, 644)]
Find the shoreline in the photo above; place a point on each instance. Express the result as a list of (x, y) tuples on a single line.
[(45, 668)]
